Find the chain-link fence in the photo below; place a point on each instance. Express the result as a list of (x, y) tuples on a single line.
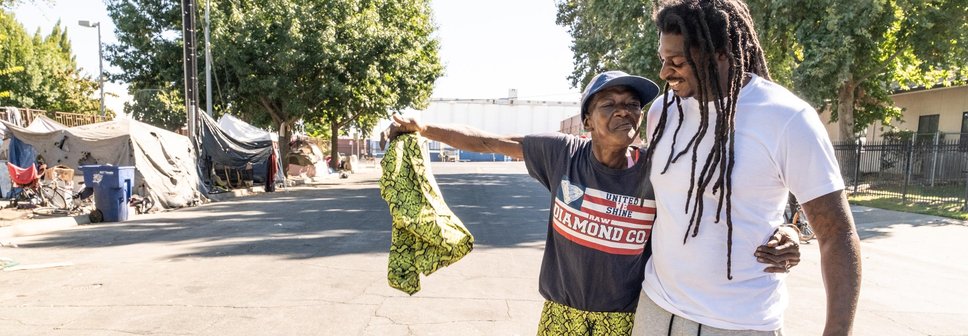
[(923, 168)]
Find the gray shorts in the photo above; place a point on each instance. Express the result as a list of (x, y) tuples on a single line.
[(652, 320)]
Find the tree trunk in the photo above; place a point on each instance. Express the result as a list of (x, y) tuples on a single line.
[(285, 134), (845, 110), (845, 116), (334, 144)]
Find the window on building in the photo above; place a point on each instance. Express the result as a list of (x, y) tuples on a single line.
[(927, 125)]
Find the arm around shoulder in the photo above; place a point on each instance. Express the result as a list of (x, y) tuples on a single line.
[(840, 260)]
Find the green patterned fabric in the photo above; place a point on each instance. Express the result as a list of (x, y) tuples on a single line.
[(558, 319), (426, 234)]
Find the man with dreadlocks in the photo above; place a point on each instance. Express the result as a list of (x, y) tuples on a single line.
[(726, 147)]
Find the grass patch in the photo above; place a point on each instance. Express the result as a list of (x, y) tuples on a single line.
[(949, 210)]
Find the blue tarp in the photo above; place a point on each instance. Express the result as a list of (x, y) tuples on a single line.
[(21, 154)]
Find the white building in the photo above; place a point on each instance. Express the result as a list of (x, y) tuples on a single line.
[(499, 116)]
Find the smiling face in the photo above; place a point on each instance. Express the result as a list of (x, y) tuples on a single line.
[(614, 116), (678, 73), (675, 68)]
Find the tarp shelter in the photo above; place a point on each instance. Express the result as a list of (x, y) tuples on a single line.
[(45, 124), (165, 165), (243, 131), (20, 153), (221, 149)]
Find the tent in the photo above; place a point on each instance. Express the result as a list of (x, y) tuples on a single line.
[(19, 153), (221, 150), (165, 164), (242, 131), (45, 124)]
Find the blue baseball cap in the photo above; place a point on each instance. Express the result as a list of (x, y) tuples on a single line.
[(645, 89)]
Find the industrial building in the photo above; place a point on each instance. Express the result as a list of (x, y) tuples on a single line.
[(500, 116)]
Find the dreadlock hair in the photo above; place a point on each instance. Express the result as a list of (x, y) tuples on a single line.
[(710, 28)]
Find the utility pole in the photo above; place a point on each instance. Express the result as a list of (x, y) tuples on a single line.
[(208, 60), (191, 70)]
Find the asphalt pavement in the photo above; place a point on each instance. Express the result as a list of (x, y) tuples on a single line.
[(312, 261)]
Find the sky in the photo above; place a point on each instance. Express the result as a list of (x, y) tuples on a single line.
[(487, 47)]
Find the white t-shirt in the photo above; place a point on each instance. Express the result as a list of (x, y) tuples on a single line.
[(780, 146)]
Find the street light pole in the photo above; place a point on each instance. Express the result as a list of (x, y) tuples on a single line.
[(100, 57)]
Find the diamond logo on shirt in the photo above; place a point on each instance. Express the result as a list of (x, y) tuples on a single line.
[(569, 192)]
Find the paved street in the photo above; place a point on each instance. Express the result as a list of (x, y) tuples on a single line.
[(312, 261)]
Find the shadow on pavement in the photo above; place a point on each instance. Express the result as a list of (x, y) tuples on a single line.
[(501, 210), (873, 223)]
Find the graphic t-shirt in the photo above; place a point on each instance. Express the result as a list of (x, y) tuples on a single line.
[(600, 220)]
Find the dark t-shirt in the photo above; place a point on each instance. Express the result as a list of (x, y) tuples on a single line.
[(600, 221)]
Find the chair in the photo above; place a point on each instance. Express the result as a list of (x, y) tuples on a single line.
[(23, 177), (26, 185)]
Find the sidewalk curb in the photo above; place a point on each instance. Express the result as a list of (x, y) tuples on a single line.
[(40, 226)]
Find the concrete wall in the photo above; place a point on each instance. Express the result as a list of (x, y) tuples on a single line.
[(499, 116)]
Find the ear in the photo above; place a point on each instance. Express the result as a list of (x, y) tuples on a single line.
[(588, 126)]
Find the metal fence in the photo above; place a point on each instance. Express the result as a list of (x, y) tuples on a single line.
[(922, 168), (69, 119)]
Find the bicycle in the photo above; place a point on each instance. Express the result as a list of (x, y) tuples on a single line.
[(796, 216), (52, 197)]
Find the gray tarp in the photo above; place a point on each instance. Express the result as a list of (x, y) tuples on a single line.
[(164, 161), (218, 147), (45, 124), (225, 150)]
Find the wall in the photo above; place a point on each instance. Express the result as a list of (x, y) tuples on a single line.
[(949, 103), (499, 116)]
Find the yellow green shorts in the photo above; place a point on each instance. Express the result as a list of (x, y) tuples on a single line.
[(558, 319)]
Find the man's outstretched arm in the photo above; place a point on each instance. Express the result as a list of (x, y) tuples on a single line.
[(839, 258), (457, 136)]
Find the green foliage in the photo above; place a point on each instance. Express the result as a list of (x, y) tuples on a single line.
[(845, 55), (861, 51), (41, 72), (159, 107), (620, 35), (332, 62), (610, 35)]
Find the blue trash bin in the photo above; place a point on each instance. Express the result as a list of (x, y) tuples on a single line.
[(112, 190)]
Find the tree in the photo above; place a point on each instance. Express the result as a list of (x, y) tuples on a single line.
[(164, 108), (852, 55), (275, 62), (149, 54), (40, 71), (7, 70), (845, 54)]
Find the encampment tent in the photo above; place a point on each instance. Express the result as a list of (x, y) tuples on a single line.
[(243, 131), (165, 164), (22, 154), (44, 124), (221, 150)]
